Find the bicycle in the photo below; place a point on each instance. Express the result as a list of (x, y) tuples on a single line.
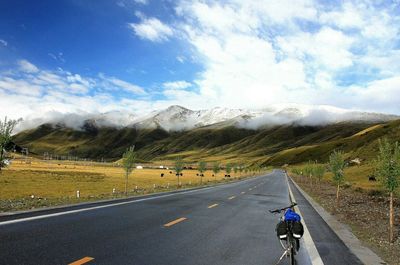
[(289, 231)]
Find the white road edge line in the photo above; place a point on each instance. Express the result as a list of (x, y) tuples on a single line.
[(310, 246), (114, 204)]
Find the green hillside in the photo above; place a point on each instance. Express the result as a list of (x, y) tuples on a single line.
[(277, 145)]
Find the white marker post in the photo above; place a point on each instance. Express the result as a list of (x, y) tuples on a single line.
[(168, 185), (113, 191), (78, 194)]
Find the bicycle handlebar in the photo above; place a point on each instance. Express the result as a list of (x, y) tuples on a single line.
[(282, 209)]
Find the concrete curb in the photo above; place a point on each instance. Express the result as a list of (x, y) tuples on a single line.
[(367, 256), (309, 242)]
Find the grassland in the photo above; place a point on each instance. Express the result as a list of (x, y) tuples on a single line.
[(54, 183), (356, 177)]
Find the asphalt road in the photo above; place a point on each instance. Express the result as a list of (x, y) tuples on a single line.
[(227, 224)]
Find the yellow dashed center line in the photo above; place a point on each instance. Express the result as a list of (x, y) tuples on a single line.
[(232, 197), (175, 222), (82, 261), (212, 206)]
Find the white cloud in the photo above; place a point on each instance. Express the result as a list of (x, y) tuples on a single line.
[(27, 66), (152, 29), (347, 16), (255, 53), (111, 82), (177, 85), (19, 87), (57, 57), (31, 92), (328, 47), (3, 43), (180, 59), (143, 2), (379, 94)]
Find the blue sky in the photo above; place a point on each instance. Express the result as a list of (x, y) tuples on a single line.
[(141, 55)]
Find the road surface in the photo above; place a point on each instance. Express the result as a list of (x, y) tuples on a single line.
[(226, 224)]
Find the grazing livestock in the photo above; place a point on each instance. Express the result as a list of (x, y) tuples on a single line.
[(371, 178), (170, 172), (162, 174), (181, 174)]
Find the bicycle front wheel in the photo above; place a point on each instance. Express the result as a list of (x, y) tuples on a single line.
[(292, 253)]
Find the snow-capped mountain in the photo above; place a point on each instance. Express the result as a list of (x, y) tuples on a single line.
[(180, 118)]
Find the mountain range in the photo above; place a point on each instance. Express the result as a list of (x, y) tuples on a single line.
[(178, 118), (274, 135)]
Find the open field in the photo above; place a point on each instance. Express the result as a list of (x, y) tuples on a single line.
[(56, 182)]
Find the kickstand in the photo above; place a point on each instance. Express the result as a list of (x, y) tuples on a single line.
[(283, 255)]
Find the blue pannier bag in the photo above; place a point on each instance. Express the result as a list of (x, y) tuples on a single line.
[(292, 216), (297, 227)]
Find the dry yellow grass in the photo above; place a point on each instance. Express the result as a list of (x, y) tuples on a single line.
[(356, 176), (368, 130), (52, 179)]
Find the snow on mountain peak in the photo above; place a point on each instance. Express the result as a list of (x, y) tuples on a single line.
[(180, 118)]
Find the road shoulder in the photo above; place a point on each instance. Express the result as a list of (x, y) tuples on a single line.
[(364, 254)]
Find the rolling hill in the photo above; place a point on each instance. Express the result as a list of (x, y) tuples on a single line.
[(225, 139), (268, 145)]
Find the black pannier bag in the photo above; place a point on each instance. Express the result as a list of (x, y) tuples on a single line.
[(281, 230), (297, 229)]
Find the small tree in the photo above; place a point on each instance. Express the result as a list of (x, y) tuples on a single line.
[(178, 168), (336, 166), (309, 171), (228, 168), (319, 172), (296, 171), (388, 171), (235, 168), (216, 169), (128, 163), (202, 167), (6, 129)]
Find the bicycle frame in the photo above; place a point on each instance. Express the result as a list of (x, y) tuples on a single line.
[(289, 244)]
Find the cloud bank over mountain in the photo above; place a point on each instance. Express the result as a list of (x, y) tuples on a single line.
[(176, 118)]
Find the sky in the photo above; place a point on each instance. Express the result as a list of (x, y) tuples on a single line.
[(96, 56)]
